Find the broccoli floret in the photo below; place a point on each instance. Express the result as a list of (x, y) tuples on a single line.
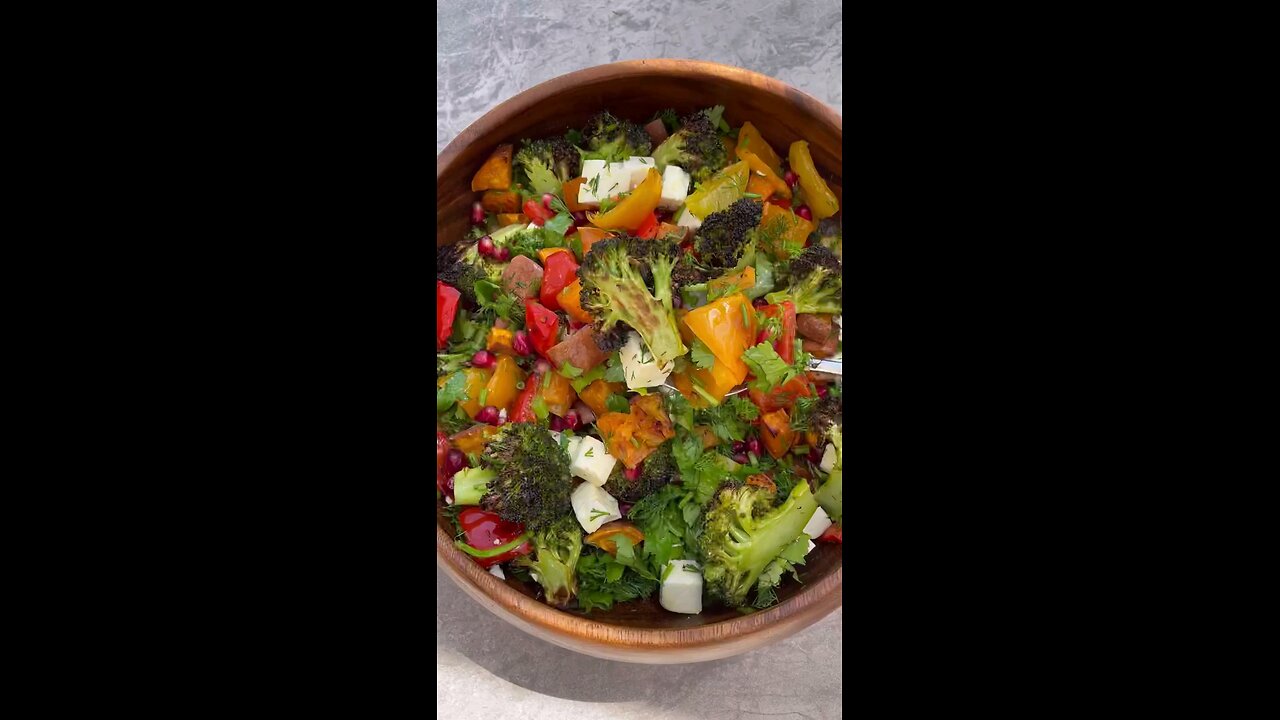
[(557, 548), (815, 284), (614, 291), (687, 273), (531, 483), (548, 164), (613, 139), (695, 147), (460, 264), (744, 534), (657, 470), (724, 235), (828, 234), (830, 494), (613, 339)]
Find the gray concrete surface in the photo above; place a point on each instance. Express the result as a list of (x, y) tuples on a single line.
[(488, 51)]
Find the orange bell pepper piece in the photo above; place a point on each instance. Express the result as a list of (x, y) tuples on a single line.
[(653, 426), (634, 209), (782, 233), (545, 253), (474, 438), (783, 397), (558, 394), (502, 386), (570, 299), (749, 139), (606, 537), (505, 219), (727, 327), (761, 170), (495, 173), (775, 431), (570, 190)]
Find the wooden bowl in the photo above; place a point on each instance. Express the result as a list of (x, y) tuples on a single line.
[(642, 632)]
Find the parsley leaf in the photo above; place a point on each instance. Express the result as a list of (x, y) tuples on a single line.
[(617, 403), (454, 390), (702, 355), (559, 224), (770, 369)]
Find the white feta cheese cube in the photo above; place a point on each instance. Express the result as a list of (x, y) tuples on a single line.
[(638, 367), (828, 462), (496, 571), (593, 507), (675, 188), (688, 220), (614, 180), (810, 548), (638, 167), (591, 170), (532, 226), (591, 461), (682, 588), (817, 524)]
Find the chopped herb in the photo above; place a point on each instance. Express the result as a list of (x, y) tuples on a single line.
[(569, 371), (484, 395), (753, 196), (702, 355), (591, 452), (617, 403), (597, 513)]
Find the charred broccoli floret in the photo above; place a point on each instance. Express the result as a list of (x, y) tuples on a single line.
[(670, 120), (613, 339), (530, 481), (687, 272), (657, 470), (815, 285), (724, 235), (747, 543), (557, 548), (549, 163), (613, 139), (460, 264), (614, 291), (828, 234), (695, 147)]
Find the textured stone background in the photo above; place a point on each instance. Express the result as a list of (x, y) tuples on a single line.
[(489, 51)]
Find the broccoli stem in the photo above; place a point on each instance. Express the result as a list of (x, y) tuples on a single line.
[(470, 484)]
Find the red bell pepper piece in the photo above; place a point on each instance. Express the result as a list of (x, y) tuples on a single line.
[(649, 228), (522, 410), (446, 310), (782, 397), (538, 214), (559, 272), (785, 344), (485, 531), (542, 324), (834, 534)]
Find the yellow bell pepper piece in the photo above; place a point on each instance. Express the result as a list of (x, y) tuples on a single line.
[(476, 381), (759, 169), (782, 233), (502, 386), (635, 208), (719, 191), (501, 340), (820, 198), (749, 139)]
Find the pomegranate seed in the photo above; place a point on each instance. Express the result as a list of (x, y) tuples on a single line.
[(521, 343), (572, 229), (791, 178), (822, 391), (556, 423), (580, 218), (804, 212), (782, 203), (485, 246), (571, 420), (762, 336), (488, 416), (502, 254), (547, 198), (676, 302), (738, 447), (753, 446), (477, 213), (483, 359), (741, 459), (815, 455), (759, 302), (632, 473), (625, 508), (455, 461), (541, 366)]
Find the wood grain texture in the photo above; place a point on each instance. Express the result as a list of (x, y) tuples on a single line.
[(643, 632)]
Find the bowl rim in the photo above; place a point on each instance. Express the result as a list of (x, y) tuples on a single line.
[(815, 600)]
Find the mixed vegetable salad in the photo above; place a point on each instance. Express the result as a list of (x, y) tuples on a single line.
[(625, 400)]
